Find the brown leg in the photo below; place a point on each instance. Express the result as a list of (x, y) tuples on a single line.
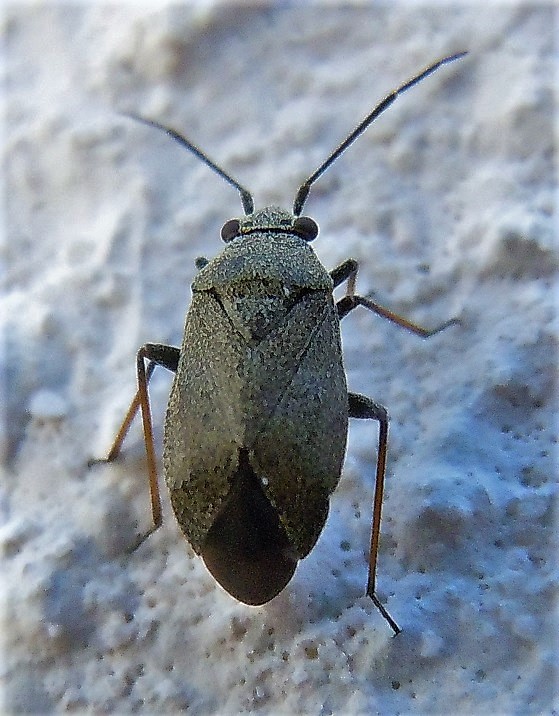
[(347, 271), (349, 302), (156, 354), (362, 407)]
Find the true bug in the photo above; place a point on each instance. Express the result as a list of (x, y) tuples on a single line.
[(256, 425)]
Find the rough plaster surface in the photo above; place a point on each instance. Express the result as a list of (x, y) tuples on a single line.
[(448, 203)]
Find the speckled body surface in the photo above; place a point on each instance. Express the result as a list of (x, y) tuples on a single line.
[(261, 372), (448, 203)]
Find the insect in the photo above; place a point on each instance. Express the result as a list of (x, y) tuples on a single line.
[(256, 424)]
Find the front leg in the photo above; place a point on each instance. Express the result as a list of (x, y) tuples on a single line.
[(348, 271)]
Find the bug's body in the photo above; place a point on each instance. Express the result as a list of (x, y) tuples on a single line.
[(256, 424), (259, 385)]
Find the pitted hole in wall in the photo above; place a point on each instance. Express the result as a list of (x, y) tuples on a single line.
[(531, 476), (74, 704), (263, 644), (480, 675), (239, 628), (345, 562), (260, 693), (129, 682), (196, 619), (272, 643), (310, 649), (537, 560)]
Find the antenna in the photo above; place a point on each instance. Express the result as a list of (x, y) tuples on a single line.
[(246, 197), (304, 189)]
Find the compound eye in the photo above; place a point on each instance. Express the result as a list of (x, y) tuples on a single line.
[(230, 230), (306, 228)]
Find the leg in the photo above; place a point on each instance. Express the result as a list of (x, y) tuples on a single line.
[(157, 354), (348, 271), (365, 408), (348, 303)]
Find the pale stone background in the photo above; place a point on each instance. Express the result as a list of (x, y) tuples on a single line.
[(447, 201)]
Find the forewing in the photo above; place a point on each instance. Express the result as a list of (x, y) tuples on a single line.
[(204, 423), (299, 452)]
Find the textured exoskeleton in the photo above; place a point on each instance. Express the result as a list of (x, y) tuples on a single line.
[(256, 425)]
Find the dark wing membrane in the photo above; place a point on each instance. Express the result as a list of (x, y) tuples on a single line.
[(247, 549)]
